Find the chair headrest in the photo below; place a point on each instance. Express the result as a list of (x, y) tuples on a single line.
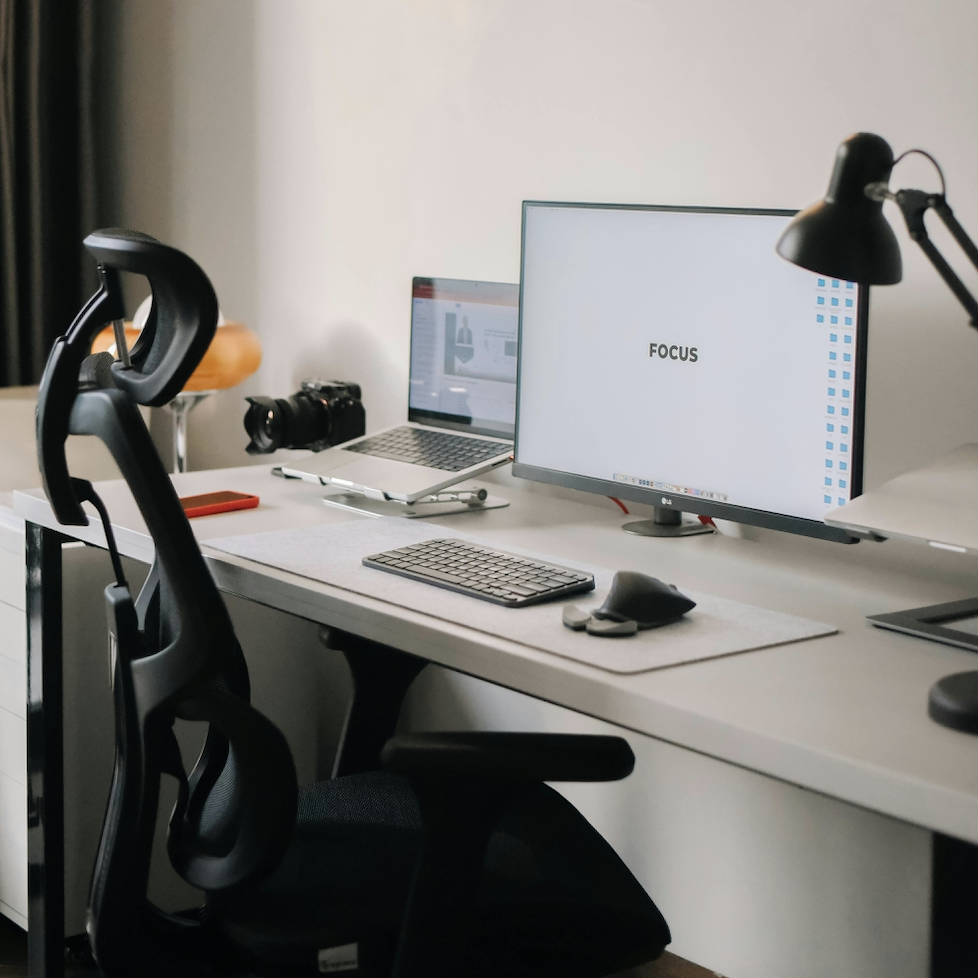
[(180, 327)]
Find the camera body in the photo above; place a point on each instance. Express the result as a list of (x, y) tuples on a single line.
[(323, 413)]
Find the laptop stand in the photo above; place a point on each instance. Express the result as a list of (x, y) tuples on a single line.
[(458, 499)]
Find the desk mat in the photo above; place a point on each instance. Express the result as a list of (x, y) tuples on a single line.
[(332, 554)]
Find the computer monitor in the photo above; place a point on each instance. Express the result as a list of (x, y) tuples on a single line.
[(669, 356), (463, 355)]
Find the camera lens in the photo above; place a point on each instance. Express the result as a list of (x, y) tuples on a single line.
[(266, 424), (320, 415)]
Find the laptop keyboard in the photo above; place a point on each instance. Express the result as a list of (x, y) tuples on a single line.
[(492, 575), (435, 449)]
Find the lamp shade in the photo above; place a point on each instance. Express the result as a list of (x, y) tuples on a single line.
[(845, 235)]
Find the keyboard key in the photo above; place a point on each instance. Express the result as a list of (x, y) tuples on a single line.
[(442, 576)]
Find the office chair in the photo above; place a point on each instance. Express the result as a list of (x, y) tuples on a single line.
[(441, 854)]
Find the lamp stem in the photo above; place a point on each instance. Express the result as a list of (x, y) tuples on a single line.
[(180, 407)]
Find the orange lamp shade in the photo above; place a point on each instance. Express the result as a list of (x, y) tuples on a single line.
[(234, 354)]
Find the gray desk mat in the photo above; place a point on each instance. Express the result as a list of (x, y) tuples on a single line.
[(332, 554)]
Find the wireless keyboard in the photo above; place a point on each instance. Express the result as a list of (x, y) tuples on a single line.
[(482, 572)]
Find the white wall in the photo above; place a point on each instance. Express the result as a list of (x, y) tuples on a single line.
[(313, 155)]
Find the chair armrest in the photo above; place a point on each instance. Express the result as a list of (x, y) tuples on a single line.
[(513, 757), (464, 783)]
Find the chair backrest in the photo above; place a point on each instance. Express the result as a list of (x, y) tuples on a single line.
[(176, 654)]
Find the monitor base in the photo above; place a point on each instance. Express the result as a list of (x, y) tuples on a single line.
[(667, 523)]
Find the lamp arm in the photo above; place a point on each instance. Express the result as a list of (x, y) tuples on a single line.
[(914, 204), (945, 213)]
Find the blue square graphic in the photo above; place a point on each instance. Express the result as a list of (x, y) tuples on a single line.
[(833, 320), (829, 446), (835, 301), (831, 392), (819, 318), (830, 427), (845, 356), (842, 466), (842, 483), (828, 463), (828, 481), (820, 300), (833, 355), (832, 375), (827, 499), (845, 412)]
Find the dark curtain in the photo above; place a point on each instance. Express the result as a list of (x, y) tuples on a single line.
[(47, 180)]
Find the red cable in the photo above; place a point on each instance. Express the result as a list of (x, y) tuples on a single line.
[(624, 508)]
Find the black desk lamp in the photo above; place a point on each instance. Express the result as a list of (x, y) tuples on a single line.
[(846, 236)]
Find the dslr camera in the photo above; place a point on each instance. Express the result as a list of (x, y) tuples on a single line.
[(321, 414)]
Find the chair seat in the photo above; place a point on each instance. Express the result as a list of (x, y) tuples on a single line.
[(554, 899)]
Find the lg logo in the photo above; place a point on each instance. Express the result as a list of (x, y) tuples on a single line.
[(665, 352)]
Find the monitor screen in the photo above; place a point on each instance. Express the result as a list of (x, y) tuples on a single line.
[(463, 355), (668, 355)]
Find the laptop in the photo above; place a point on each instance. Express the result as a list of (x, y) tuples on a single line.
[(461, 399)]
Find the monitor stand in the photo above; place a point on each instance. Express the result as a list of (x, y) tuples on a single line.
[(666, 523)]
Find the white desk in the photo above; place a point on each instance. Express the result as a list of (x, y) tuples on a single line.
[(843, 715)]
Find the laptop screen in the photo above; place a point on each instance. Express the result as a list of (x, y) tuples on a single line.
[(464, 338)]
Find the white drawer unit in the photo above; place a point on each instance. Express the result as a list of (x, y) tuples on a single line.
[(13, 849), (13, 746), (13, 631), (12, 590), (13, 811), (13, 724), (13, 881), (13, 816), (13, 659), (13, 683)]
